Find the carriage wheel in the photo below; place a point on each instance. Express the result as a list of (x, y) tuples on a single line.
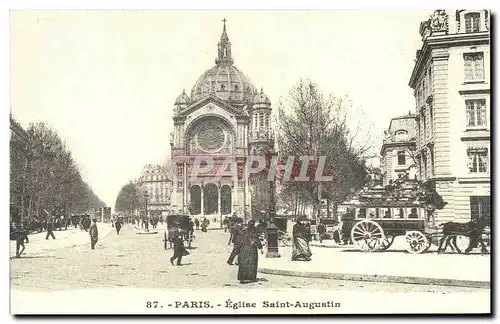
[(367, 235), (416, 242), (386, 242)]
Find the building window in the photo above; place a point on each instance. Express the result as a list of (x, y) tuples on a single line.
[(235, 87), (424, 125), (424, 86), (429, 75), (267, 120), (480, 208), (261, 120), (424, 162), (478, 160), (179, 184), (474, 66), (476, 112), (472, 22), (432, 160), (180, 170), (431, 118), (222, 87), (401, 158)]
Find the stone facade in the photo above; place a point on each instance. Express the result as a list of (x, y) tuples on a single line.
[(398, 150), (19, 159), (155, 182), (451, 82), (225, 117)]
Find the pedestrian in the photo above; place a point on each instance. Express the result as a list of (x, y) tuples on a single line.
[(197, 223), (248, 257), (50, 230), (347, 223), (94, 234), (204, 225), (191, 231), (225, 222), (236, 230), (118, 226), (321, 232), (179, 249), (300, 241), (20, 235)]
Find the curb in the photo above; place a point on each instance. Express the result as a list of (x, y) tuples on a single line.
[(380, 278), (331, 246)]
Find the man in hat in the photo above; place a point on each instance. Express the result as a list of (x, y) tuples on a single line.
[(94, 234), (50, 229), (236, 231), (179, 249)]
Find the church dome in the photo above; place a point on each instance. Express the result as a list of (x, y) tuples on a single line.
[(182, 99), (224, 80)]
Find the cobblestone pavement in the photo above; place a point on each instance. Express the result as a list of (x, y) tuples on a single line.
[(133, 260)]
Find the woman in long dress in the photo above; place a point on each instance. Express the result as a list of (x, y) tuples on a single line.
[(249, 258), (300, 242)]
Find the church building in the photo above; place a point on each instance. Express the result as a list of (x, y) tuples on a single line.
[(224, 116)]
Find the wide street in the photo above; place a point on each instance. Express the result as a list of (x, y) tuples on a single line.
[(140, 261)]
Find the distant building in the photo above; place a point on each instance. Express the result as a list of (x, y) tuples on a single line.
[(19, 159), (155, 182), (451, 83), (398, 150)]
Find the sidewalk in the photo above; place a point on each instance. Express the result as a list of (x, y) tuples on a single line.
[(67, 238), (388, 266)]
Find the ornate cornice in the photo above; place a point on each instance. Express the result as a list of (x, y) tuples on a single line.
[(210, 99), (444, 42)]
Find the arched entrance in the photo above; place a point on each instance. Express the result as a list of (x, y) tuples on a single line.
[(195, 200), (210, 199), (225, 200)]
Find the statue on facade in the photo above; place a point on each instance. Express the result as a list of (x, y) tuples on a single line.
[(171, 137), (387, 135), (439, 20)]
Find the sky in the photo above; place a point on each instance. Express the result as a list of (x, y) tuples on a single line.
[(106, 81)]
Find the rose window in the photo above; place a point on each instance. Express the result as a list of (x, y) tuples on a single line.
[(210, 137)]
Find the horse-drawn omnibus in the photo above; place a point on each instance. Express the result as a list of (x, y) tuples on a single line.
[(378, 217)]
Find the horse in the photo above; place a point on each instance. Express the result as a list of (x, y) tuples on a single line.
[(472, 229)]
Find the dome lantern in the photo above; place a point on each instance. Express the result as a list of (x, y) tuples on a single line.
[(224, 48)]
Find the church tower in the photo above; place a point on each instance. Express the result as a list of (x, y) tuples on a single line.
[(261, 143)]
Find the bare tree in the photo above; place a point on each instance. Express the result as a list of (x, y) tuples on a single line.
[(312, 124), (53, 180)]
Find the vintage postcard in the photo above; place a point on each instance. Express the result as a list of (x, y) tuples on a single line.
[(250, 162)]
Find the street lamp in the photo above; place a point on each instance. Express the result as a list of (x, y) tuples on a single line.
[(272, 229), (146, 224)]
